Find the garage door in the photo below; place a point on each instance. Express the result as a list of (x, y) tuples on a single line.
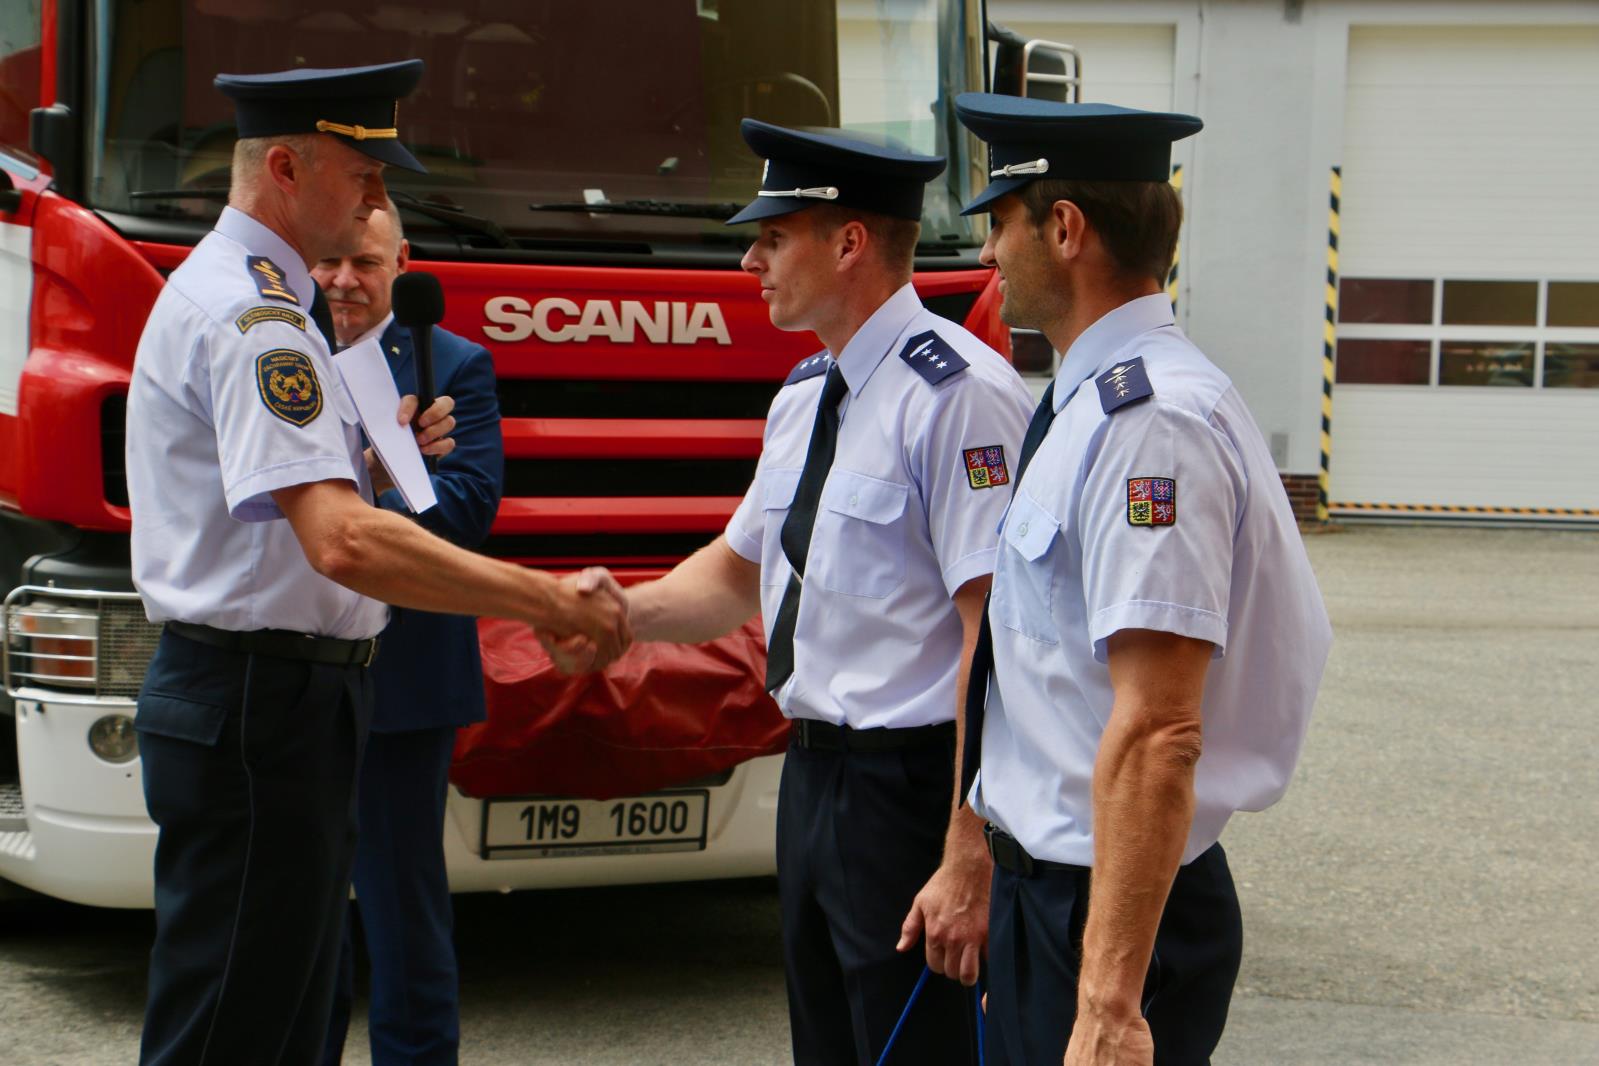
[(1468, 335)]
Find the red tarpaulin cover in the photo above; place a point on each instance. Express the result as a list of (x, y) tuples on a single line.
[(660, 715)]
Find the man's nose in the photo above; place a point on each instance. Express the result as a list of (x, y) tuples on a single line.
[(376, 194), (986, 256), (751, 262)]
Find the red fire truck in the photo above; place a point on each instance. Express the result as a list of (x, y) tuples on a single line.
[(582, 159)]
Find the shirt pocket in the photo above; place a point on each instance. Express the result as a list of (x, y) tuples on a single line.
[(1024, 587), (858, 545), (778, 486)]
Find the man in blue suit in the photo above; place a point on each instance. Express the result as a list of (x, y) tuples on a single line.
[(428, 680)]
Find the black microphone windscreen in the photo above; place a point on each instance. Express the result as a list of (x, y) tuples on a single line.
[(418, 300)]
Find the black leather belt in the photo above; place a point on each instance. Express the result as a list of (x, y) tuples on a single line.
[(1010, 855), (282, 643), (817, 735)]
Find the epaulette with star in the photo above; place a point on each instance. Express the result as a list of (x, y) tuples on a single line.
[(932, 357), (1126, 382), (811, 367)]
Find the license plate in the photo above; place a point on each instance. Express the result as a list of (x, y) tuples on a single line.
[(541, 828)]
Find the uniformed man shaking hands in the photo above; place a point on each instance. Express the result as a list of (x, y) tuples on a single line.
[(1155, 637), (866, 542), (256, 542)]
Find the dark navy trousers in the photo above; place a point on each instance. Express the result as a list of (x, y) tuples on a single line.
[(858, 835), (403, 896), (250, 765), (1035, 935)]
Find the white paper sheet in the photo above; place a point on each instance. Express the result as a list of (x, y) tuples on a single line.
[(377, 402)]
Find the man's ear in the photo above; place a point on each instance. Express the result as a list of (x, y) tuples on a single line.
[(851, 243), (285, 168), (404, 258), (1066, 232)]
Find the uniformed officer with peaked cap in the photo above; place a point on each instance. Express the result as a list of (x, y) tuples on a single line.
[(1155, 636), (866, 542), (256, 543)]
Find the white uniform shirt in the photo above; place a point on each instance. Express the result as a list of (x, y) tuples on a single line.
[(900, 527), (234, 395), (1073, 569)]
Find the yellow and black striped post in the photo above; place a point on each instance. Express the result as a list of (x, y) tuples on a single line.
[(1329, 342), (1177, 252)]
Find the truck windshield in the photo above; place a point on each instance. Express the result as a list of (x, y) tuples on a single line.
[(632, 105)]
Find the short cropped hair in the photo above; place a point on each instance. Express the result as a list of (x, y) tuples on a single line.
[(249, 154), (894, 238), (1136, 220)]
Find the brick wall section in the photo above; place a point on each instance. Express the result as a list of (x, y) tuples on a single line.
[(1302, 490)]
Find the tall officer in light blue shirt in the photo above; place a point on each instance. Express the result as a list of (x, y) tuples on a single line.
[(256, 543), (1155, 636), (866, 542)]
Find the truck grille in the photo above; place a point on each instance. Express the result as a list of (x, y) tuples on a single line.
[(628, 477), (625, 398), (86, 643)]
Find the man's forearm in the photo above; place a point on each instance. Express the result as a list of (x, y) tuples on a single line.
[(1143, 807), (707, 595)]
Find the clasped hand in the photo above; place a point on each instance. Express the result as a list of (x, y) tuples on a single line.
[(594, 590)]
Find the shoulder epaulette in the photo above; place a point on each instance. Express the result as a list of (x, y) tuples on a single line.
[(1126, 382), (269, 278), (932, 357), (810, 367)]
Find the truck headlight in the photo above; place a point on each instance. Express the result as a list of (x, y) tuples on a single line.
[(113, 738), (56, 642)]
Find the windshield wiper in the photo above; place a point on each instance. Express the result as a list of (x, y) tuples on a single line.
[(668, 208), (452, 216)]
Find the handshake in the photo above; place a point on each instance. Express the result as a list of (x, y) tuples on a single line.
[(594, 629)]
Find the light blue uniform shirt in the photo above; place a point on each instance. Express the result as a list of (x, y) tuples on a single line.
[(1074, 568), (900, 527), (233, 396)]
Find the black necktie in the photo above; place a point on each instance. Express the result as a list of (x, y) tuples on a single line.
[(796, 534), (323, 317), (983, 655)]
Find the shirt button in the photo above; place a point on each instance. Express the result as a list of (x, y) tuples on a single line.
[(1022, 529), (854, 501)]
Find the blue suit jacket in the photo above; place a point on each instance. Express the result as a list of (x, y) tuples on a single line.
[(428, 672)]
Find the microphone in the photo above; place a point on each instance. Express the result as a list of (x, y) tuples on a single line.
[(419, 306)]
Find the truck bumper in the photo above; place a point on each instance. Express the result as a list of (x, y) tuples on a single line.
[(75, 827)]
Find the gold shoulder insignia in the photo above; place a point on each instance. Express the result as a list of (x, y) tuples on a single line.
[(269, 279), (256, 315)]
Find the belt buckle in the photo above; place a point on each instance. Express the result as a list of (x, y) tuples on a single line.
[(1007, 851), (371, 652)]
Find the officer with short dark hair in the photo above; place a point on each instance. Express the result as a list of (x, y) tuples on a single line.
[(1155, 637), (256, 543), (866, 542)]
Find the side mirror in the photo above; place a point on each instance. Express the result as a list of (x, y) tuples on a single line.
[(1044, 70), (10, 195), (54, 134)]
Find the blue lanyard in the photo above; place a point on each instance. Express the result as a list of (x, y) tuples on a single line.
[(921, 982)]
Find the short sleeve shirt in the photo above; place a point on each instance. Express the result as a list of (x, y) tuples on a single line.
[(1166, 514), (233, 397), (907, 516)]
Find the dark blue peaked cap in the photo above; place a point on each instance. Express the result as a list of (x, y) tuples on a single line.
[(358, 105), (809, 167), (1030, 139)]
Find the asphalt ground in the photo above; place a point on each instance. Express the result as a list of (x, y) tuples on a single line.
[(1424, 895)]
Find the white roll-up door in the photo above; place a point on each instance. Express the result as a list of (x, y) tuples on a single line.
[(1468, 336)]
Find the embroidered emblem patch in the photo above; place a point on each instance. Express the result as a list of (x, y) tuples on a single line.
[(288, 385), (985, 467), (932, 357), (269, 279), (1151, 501), (256, 315)]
